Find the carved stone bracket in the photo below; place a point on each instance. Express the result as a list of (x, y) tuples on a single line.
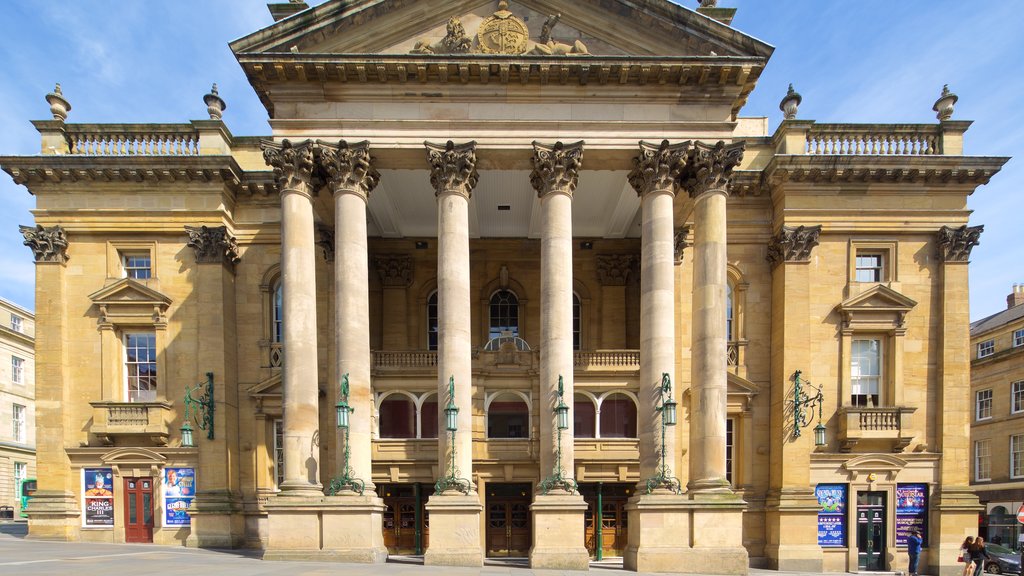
[(453, 168), (955, 244), (614, 269), (47, 244), (793, 244), (395, 269), (709, 167), (347, 167), (292, 163), (681, 243), (213, 245), (658, 166), (556, 168), (325, 240)]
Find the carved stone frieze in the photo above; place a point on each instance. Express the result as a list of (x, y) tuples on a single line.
[(292, 163), (681, 243), (614, 269), (658, 166), (454, 42), (325, 240), (347, 167), (709, 167), (395, 269), (556, 168), (793, 244), (501, 33), (452, 168), (47, 244), (213, 245), (955, 244)]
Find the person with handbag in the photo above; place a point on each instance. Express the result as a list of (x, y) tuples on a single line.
[(978, 555), (965, 556)]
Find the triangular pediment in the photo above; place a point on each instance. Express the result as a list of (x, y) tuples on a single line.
[(126, 292), (879, 297), (268, 387)]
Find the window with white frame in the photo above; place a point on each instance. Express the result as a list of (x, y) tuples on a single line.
[(18, 423), (277, 313), (983, 460), (577, 322), (504, 314), (278, 453), (1017, 456), (730, 425), (17, 370), (869, 267), (983, 404), (20, 475), (1017, 397), (729, 337), (137, 265), (432, 321), (865, 372), (16, 323), (1018, 338), (986, 348), (140, 366)]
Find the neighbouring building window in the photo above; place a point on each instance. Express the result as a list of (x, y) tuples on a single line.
[(982, 460), (397, 417), (20, 475), (140, 366), (1018, 338), (869, 267), (577, 323), (1017, 456), (17, 370), (584, 416), (137, 265), (18, 423), (865, 372), (983, 405), (278, 453), (17, 326), (432, 321), (986, 348), (508, 416), (504, 314), (730, 425), (729, 337), (1017, 397), (277, 314), (618, 416)]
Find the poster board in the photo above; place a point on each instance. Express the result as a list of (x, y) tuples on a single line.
[(98, 498), (911, 512), (832, 506), (178, 489)]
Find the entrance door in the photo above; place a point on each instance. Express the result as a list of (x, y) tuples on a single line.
[(871, 515), (138, 509), (612, 531), (404, 511), (509, 527)]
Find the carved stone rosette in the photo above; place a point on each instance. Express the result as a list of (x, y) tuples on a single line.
[(452, 168), (347, 167), (658, 166), (325, 240), (793, 244), (614, 269), (709, 167), (395, 269), (213, 245), (556, 168), (681, 243), (47, 244), (955, 244), (292, 163)]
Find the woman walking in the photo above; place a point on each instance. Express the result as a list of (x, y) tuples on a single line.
[(978, 555), (965, 556)]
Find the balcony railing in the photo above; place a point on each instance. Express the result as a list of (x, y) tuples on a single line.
[(890, 424), (111, 420), (390, 359), (874, 139), (133, 139), (607, 360)]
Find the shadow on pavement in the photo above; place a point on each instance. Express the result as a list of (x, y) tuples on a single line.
[(16, 529)]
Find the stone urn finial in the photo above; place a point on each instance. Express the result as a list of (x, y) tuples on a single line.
[(708, 3), (944, 105), (790, 102), (59, 106), (214, 104)]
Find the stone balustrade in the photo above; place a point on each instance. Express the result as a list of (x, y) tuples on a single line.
[(141, 420), (874, 139), (884, 423), (132, 139), (607, 360), (392, 359)]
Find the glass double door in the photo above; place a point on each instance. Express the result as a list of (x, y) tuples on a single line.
[(871, 536), (509, 525), (406, 525), (606, 521)]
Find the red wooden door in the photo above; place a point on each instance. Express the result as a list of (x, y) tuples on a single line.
[(138, 509)]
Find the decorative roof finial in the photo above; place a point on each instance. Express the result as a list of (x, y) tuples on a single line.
[(502, 5), (944, 105), (708, 3), (59, 106), (214, 104), (790, 102)]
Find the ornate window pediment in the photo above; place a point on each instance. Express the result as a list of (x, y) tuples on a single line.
[(879, 307), (128, 301)]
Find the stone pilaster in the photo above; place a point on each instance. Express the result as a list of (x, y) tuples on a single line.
[(558, 535), (613, 273), (395, 271)]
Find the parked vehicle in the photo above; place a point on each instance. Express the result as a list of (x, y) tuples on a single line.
[(25, 491), (1003, 560)]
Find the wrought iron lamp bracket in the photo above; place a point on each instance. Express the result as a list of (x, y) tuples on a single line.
[(663, 478), (452, 481), (804, 404), (558, 478), (200, 410), (347, 482)]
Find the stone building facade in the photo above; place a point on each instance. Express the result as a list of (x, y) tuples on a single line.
[(17, 404), (997, 422), (467, 216)]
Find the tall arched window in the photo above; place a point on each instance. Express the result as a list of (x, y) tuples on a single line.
[(504, 314), (618, 416), (397, 417), (432, 321), (584, 416), (729, 336), (428, 417), (577, 322), (277, 316), (508, 416)]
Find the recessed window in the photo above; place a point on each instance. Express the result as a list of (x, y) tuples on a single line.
[(16, 323), (865, 372), (983, 405), (277, 314), (577, 323), (140, 366), (137, 265), (983, 460), (584, 416), (1018, 338), (1017, 456), (17, 370), (18, 423), (432, 321), (397, 417), (504, 315), (730, 425), (1017, 397), (869, 267), (428, 417), (986, 348), (20, 475), (728, 313), (508, 416), (279, 452), (618, 416)]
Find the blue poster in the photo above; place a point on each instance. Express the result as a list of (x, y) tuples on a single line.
[(179, 489), (831, 515), (911, 512), (98, 497)]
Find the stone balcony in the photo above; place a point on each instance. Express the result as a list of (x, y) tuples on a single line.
[(139, 421), (889, 424)]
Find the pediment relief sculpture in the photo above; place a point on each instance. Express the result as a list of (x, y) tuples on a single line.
[(501, 33)]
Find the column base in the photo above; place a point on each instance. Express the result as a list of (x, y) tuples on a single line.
[(326, 528), (217, 521), (792, 527), (659, 534), (54, 515), (718, 525), (558, 533), (956, 509), (454, 531)]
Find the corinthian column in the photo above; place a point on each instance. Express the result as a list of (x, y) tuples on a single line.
[(706, 179), (351, 177), (293, 166)]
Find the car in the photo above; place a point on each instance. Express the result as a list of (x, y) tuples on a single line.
[(1002, 560)]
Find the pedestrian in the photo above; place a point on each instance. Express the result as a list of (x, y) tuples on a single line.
[(965, 556), (978, 555), (913, 550)]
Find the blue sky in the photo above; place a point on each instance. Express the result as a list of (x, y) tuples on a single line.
[(863, 61)]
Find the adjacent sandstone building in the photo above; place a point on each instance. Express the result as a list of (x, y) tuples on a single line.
[(507, 279), (17, 407)]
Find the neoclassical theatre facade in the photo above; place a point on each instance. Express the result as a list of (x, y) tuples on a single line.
[(506, 279)]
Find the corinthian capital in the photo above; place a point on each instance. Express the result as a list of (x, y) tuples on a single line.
[(47, 244), (347, 167), (614, 269), (658, 166), (556, 168), (709, 167), (213, 245), (793, 244), (452, 168), (395, 269), (292, 163), (955, 244)]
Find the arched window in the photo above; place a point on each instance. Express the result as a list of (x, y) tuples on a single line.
[(277, 314), (508, 416), (432, 321), (618, 416), (504, 314), (428, 417), (729, 335), (584, 416), (397, 417), (577, 322)]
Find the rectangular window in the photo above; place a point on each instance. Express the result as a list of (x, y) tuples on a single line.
[(279, 453), (18, 423), (869, 267), (1017, 456), (986, 348), (865, 372), (1017, 397), (17, 370), (137, 265), (1018, 338), (982, 460), (140, 366), (983, 405), (17, 327), (729, 427), (20, 474)]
